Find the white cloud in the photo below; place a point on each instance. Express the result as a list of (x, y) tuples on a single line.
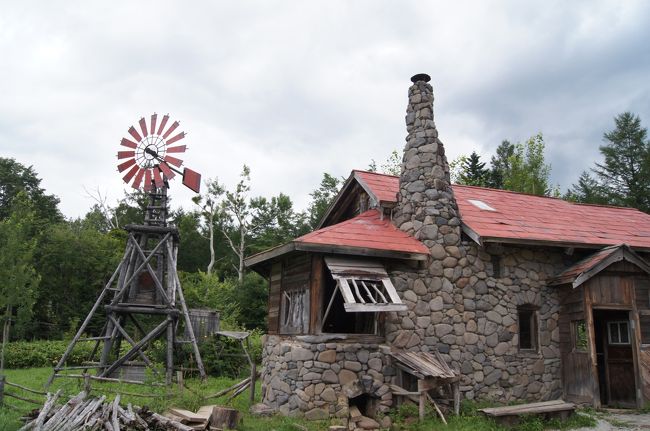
[(297, 88)]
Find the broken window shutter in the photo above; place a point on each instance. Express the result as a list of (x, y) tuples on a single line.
[(365, 285)]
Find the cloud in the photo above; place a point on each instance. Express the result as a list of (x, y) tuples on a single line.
[(294, 89)]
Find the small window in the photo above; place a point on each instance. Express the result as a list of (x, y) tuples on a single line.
[(579, 335), (618, 332), (528, 339), (496, 265)]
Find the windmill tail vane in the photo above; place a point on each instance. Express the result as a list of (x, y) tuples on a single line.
[(149, 162)]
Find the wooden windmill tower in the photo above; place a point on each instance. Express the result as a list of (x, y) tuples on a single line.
[(143, 300)]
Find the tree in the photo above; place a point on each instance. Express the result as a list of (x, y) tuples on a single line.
[(625, 172), (392, 165), (321, 198), (210, 208), (17, 273), (587, 190), (528, 171), (16, 178), (274, 222), (472, 171), (500, 164)]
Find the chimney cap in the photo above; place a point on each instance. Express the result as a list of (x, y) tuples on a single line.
[(420, 77)]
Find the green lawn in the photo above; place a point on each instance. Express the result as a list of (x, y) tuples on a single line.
[(159, 398)]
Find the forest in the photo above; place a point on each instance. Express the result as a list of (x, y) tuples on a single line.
[(52, 267)]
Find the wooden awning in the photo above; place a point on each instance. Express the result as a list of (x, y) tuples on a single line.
[(423, 364), (364, 285), (593, 264)]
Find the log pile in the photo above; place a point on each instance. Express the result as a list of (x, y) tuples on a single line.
[(83, 412), (88, 413)]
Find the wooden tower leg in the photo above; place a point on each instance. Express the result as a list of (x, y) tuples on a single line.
[(90, 315)]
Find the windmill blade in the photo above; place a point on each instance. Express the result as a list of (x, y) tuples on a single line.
[(192, 180), (173, 161), (176, 138), (135, 134), (154, 117), (143, 127), (126, 143), (169, 131), (138, 179), (125, 154), (124, 166), (130, 174), (157, 177), (147, 179), (179, 149), (162, 124), (164, 167)]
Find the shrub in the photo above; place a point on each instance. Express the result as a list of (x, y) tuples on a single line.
[(27, 354)]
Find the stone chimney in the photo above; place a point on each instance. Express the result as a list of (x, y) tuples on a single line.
[(426, 206)]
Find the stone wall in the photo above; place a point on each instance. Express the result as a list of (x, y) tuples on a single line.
[(317, 379), (470, 316)]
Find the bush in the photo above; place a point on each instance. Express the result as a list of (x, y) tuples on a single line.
[(28, 354)]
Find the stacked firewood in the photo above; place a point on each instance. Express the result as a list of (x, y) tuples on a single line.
[(83, 412)]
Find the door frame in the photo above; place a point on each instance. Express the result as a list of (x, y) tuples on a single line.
[(635, 336)]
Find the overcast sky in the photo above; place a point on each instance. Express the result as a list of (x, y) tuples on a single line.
[(297, 88)]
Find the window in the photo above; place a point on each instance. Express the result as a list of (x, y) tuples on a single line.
[(495, 259), (528, 333), (618, 332), (356, 293), (579, 335)]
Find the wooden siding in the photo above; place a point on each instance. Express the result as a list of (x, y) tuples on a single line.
[(296, 274), (610, 291), (275, 282)]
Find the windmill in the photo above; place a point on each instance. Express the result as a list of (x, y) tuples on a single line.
[(143, 300)]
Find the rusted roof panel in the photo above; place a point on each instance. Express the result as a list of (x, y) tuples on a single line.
[(367, 230), (504, 215)]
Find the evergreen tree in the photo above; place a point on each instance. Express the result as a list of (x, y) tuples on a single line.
[(625, 173), (587, 190), (321, 198), (473, 171), (500, 164)]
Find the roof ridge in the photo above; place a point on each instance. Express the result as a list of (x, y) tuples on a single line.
[(375, 173)]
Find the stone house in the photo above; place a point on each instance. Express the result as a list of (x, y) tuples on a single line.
[(525, 297)]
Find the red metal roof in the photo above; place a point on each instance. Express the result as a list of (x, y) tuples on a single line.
[(573, 272), (367, 230), (528, 218), (384, 187)]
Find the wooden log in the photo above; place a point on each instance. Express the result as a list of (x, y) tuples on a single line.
[(27, 400), (226, 418), (239, 391), (231, 388), (437, 409), (115, 418), (24, 388), (108, 379), (51, 402), (456, 390), (251, 398), (421, 405), (168, 423)]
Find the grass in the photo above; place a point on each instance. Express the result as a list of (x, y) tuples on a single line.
[(404, 418)]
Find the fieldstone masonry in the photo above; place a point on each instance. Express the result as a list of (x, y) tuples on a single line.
[(317, 380), (459, 304)]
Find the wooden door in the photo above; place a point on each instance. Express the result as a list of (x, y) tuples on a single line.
[(619, 361)]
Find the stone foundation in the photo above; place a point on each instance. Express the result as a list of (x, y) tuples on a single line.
[(318, 379)]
